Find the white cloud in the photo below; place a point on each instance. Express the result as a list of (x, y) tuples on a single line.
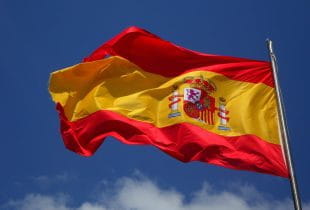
[(140, 193), (38, 202), (90, 206)]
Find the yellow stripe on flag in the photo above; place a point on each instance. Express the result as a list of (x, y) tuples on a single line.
[(118, 85)]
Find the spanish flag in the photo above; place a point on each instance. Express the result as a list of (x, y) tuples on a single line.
[(144, 90)]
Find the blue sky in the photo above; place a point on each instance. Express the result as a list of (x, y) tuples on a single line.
[(40, 36)]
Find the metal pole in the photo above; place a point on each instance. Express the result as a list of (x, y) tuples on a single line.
[(284, 130)]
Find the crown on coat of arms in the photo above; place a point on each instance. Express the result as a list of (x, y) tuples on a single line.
[(200, 83)]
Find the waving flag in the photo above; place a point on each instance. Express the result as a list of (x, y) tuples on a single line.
[(193, 106)]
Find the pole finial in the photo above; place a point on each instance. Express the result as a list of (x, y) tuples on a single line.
[(269, 45)]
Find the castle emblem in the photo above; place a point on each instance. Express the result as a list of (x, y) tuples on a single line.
[(199, 102)]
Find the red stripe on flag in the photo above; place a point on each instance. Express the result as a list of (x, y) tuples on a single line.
[(183, 141), (158, 56)]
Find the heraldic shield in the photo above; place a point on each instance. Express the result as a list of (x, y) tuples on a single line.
[(199, 102)]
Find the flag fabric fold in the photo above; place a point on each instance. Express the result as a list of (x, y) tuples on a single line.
[(193, 106)]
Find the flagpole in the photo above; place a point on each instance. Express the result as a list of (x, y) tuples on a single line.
[(284, 130)]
